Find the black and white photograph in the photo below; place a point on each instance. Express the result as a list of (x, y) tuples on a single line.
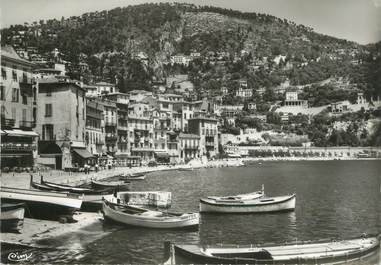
[(157, 132)]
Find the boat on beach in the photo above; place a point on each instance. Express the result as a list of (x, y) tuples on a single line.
[(162, 199), (307, 252), (92, 199), (96, 184), (136, 216), (12, 217), (43, 204), (255, 202), (132, 177)]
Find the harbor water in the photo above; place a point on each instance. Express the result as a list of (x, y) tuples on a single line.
[(335, 199)]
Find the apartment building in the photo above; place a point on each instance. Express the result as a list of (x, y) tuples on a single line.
[(61, 122), (18, 111)]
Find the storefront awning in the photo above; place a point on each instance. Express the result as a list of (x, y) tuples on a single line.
[(17, 132), (49, 148), (82, 153)]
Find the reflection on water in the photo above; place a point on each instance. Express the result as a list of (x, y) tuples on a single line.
[(334, 199)]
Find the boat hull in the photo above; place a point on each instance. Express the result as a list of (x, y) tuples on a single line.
[(12, 219), (191, 254), (132, 220), (105, 185), (288, 204), (42, 205)]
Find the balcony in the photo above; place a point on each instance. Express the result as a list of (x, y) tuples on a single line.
[(209, 144), (17, 147), (27, 124), (111, 137), (191, 147), (110, 122), (7, 123)]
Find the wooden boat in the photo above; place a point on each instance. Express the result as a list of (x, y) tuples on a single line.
[(12, 217), (185, 169), (111, 184), (43, 204), (320, 252), (160, 199), (249, 203), (136, 216), (92, 199), (132, 177)]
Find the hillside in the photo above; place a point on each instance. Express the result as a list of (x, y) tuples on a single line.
[(135, 44)]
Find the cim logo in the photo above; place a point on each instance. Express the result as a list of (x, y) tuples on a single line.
[(15, 256)]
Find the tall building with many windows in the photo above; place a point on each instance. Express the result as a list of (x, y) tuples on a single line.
[(18, 111), (61, 122)]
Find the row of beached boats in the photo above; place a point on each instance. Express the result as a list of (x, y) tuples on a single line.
[(134, 208)]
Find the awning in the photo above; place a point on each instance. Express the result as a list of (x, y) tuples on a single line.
[(49, 148), (17, 132), (162, 154), (82, 153)]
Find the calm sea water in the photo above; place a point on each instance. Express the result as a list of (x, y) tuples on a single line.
[(334, 199)]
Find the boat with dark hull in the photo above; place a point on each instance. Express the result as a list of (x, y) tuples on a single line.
[(12, 217), (318, 252), (92, 199), (43, 204), (132, 177), (95, 184)]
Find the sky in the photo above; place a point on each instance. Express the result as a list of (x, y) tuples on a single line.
[(355, 20)]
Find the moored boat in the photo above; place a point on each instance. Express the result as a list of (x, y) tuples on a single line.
[(43, 204), (12, 217), (318, 252), (160, 199), (109, 184), (132, 177), (136, 216), (255, 202), (92, 199)]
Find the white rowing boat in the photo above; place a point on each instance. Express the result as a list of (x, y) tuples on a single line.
[(256, 205), (135, 216), (12, 216)]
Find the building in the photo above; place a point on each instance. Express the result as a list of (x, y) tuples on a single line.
[(245, 93), (95, 127), (293, 101), (111, 126), (61, 123), (100, 88), (189, 146), (18, 111), (206, 128)]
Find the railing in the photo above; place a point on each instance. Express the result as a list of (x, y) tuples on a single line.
[(110, 122), (18, 146), (7, 123), (191, 147), (111, 137), (27, 124), (209, 144)]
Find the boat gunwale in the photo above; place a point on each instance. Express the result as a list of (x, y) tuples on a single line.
[(354, 255), (234, 204), (157, 219), (57, 194)]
